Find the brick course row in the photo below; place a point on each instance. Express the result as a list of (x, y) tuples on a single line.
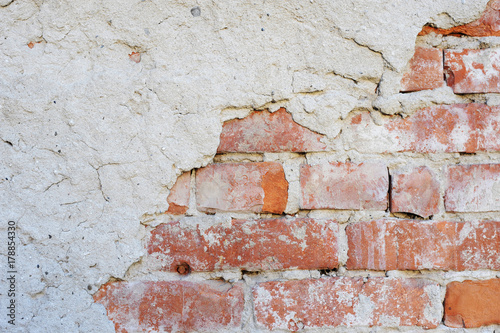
[(262, 187), (277, 244), (299, 304), (452, 128), (465, 71)]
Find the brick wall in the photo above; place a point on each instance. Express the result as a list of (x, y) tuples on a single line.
[(394, 224)]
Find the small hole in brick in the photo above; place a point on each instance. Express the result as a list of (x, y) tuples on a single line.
[(327, 271), (244, 272), (409, 216), (183, 268), (465, 154)]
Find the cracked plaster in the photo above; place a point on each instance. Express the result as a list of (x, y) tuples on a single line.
[(91, 141)]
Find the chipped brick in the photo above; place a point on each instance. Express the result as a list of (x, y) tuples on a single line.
[(472, 303), (425, 70), (161, 306), (263, 131), (473, 188), (178, 199), (273, 244), (415, 192), (342, 301), (242, 187), (344, 186), (446, 128), (473, 71), (415, 245)]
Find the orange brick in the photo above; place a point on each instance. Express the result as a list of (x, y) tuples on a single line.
[(263, 131), (415, 245), (273, 244), (425, 70), (472, 303), (473, 188), (178, 199), (166, 306), (445, 128), (332, 302), (242, 187), (344, 186), (416, 192), (473, 71)]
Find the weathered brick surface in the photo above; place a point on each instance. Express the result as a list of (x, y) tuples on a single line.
[(341, 301), (487, 25), (425, 70), (344, 186), (178, 199), (445, 128), (263, 131), (147, 306), (415, 191), (242, 187), (473, 71), (199, 248), (473, 188), (472, 303), (251, 245), (415, 245)]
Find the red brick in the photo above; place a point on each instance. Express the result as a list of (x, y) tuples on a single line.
[(415, 245), (135, 57), (425, 70), (416, 192), (473, 71), (487, 25), (242, 187), (446, 128), (263, 131), (273, 244), (178, 199), (472, 303), (163, 306), (473, 188), (344, 186), (331, 302)]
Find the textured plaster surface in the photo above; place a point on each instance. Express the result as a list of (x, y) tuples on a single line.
[(93, 136)]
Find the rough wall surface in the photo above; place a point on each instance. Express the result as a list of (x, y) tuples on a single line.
[(307, 142)]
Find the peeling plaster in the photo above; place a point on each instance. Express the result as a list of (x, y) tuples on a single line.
[(126, 129)]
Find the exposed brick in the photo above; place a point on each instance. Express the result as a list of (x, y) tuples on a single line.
[(425, 70), (344, 186), (472, 303), (473, 71), (162, 306), (343, 301), (487, 25), (242, 187), (263, 131), (473, 188), (416, 192), (414, 245), (135, 57), (251, 245), (178, 199), (446, 128)]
